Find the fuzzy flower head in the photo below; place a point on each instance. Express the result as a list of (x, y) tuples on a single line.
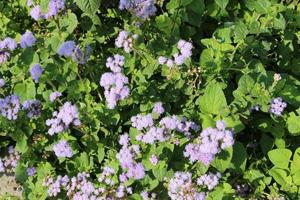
[(2, 82), (31, 171), (141, 8), (54, 95), (36, 71), (125, 40), (63, 149), (36, 13), (33, 108), (210, 143), (27, 39), (8, 43), (158, 108), (277, 106), (66, 49), (67, 115), (10, 106), (4, 56), (54, 7), (182, 187)]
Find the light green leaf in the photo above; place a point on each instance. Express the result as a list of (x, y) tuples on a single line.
[(213, 101), (25, 90), (280, 157), (223, 159), (222, 3), (88, 6)]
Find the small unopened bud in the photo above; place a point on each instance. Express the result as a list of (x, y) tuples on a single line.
[(277, 77)]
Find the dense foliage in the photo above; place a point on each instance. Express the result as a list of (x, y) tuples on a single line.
[(145, 99)]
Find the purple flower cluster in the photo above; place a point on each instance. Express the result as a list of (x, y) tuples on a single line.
[(114, 83), (125, 40), (152, 132), (2, 82), (36, 71), (4, 56), (6, 45), (277, 106), (54, 95), (8, 163), (181, 187), (145, 196), (33, 108), (185, 52), (31, 171), (210, 142), (158, 108), (141, 8), (67, 115), (209, 180), (10, 106), (115, 63), (80, 187), (126, 157), (54, 7), (62, 149), (27, 39), (71, 50), (153, 159), (142, 121)]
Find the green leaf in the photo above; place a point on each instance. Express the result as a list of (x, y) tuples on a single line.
[(25, 90), (296, 178), (280, 157), (279, 175), (20, 173), (223, 159), (88, 6), (295, 165), (165, 24), (266, 143), (100, 153), (239, 157), (213, 101), (293, 124), (69, 22), (222, 3)]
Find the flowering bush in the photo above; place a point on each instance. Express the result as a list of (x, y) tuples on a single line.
[(145, 99)]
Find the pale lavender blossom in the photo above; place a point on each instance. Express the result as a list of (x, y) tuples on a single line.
[(125, 40), (277, 106), (54, 7), (27, 39), (153, 159), (158, 108), (36, 71), (141, 8), (36, 13), (33, 108), (142, 121), (10, 106), (31, 171), (2, 82), (4, 56), (54, 95), (8, 43), (63, 149), (209, 180)]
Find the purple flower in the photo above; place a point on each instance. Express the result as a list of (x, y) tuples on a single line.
[(209, 180), (141, 8), (182, 187), (210, 143), (115, 88), (66, 49), (4, 56), (27, 39), (140, 121), (115, 63), (153, 159), (8, 43), (162, 60), (10, 106), (67, 115), (36, 71), (54, 7), (277, 106), (54, 95), (125, 40), (33, 108), (62, 149), (36, 13), (136, 171), (2, 82), (31, 171), (158, 108)]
